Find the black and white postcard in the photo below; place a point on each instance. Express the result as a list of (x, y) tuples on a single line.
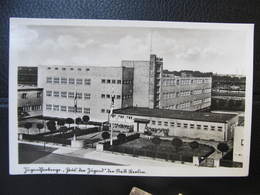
[(136, 98)]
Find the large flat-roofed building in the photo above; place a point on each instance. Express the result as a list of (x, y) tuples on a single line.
[(29, 101), (93, 85), (202, 125), (185, 91), (135, 83)]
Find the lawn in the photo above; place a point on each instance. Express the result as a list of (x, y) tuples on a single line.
[(165, 150)]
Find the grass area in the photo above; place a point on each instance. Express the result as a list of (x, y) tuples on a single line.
[(166, 147)]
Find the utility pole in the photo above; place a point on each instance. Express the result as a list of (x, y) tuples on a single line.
[(109, 119)]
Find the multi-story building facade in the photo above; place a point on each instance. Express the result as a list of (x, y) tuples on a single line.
[(27, 75), (30, 101), (185, 92), (90, 88), (135, 83), (164, 122)]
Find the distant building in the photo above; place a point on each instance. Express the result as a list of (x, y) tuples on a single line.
[(200, 125), (27, 75), (29, 101), (228, 92)]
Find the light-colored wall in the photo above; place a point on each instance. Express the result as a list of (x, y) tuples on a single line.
[(190, 98), (96, 88), (180, 131), (238, 146), (141, 82)]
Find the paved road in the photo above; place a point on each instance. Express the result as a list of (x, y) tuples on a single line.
[(38, 155)]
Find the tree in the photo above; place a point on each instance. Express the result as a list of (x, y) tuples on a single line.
[(78, 120), (28, 125), (69, 121), (40, 126), (177, 143), (121, 137), (105, 135), (156, 141), (63, 129), (85, 118), (51, 125), (61, 122), (194, 145), (223, 147)]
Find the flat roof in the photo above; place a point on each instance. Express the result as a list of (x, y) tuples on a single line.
[(176, 114)]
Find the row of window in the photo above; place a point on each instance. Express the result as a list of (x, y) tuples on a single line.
[(71, 81), (65, 94), (170, 95), (55, 107), (25, 95), (186, 125), (187, 104), (56, 68), (31, 108), (114, 81), (173, 82)]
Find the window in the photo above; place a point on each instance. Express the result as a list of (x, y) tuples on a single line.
[(63, 80), (79, 95), (56, 80), (212, 128), (108, 80), (56, 68), (49, 68), (103, 110), (63, 108), (56, 94), (198, 126), (38, 94), (71, 81), (118, 81), (113, 81), (242, 142), (86, 96), (153, 122), (205, 127), (48, 107), (118, 97), (172, 124), (70, 108), (79, 110), (71, 95), (49, 80), (129, 117), (24, 96), (87, 110), (79, 81), (87, 69), (71, 68), (63, 68), (159, 122), (165, 123), (79, 69), (87, 81), (192, 126), (178, 124), (48, 93), (103, 96), (108, 111), (56, 107), (108, 96), (63, 94), (103, 81), (185, 125), (219, 128)]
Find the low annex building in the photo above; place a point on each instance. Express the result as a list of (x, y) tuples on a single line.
[(164, 122)]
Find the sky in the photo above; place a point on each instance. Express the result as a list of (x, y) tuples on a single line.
[(217, 51)]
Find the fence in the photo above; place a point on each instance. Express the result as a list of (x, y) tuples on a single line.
[(51, 139)]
